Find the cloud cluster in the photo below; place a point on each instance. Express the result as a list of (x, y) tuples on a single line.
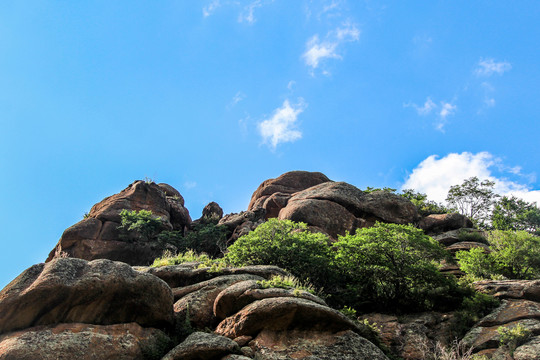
[(281, 126), (318, 50), (434, 176), (489, 67), (443, 110)]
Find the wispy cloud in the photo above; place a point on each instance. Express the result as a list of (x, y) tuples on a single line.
[(444, 110), (210, 8), (190, 185), (248, 13), (318, 50), (281, 126), (239, 96), (489, 67), (434, 176)]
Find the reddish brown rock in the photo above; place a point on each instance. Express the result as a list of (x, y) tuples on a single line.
[(82, 342), (466, 245), (511, 310), (283, 314), (488, 337), (203, 346), (436, 223), (197, 303), (306, 344), (98, 237), (328, 215), (510, 289), (69, 290), (237, 296), (287, 183)]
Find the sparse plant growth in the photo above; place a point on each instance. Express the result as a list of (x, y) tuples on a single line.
[(139, 224), (514, 255), (425, 207), (474, 307), (511, 338), (286, 282), (168, 258), (458, 350), (349, 312), (473, 236)]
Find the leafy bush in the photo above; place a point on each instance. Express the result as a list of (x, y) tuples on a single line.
[(514, 255), (288, 245), (207, 238), (511, 338), (475, 306), (474, 236), (425, 207), (139, 224), (204, 260), (391, 267)]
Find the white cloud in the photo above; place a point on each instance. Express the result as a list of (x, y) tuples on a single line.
[(443, 110), (248, 15), (318, 50), (489, 102), (434, 176), (447, 109), (210, 8), (281, 126), (425, 109), (291, 85), (489, 67)]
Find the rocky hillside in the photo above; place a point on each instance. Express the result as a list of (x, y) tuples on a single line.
[(96, 297)]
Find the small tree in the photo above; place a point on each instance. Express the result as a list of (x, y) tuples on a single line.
[(511, 213), (474, 199), (424, 206), (514, 255), (391, 266), (142, 223)]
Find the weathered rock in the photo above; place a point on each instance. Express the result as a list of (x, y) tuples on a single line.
[(454, 236), (212, 211), (510, 289), (436, 223), (466, 245), (242, 223), (235, 357), (198, 303), (283, 314), (528, 351), (328, 215), (97, 236), (237, 296), (309, 345), (488, 337), (69, 290), (186, 274), (203, 346), (411, 336), (83, 342), (287, 183), (510, 311)]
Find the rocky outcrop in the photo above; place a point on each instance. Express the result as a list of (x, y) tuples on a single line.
[(242, 223), (203, 346), (69, 290), (83, 342), (97, 236), (520, 305), (272, 194), (438, 223)]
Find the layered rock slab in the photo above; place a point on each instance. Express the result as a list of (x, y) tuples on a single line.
[(69, 290)]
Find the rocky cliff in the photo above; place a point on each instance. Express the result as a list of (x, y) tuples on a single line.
[(95, 297)]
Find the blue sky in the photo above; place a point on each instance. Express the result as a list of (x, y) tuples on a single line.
[(215, 96)]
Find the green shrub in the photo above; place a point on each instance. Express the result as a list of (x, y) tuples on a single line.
[(141, 225), (391, 267), (514, 255), (474, 306), (511, 338), (206, 238), (169, 258), (473, 236), (288, 245)]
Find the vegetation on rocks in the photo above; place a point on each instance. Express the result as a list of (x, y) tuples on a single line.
[(140, 224)]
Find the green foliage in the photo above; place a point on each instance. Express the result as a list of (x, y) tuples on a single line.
[(511, 213), (155, 350), (206, 238), (391, 267), (475, 306), (514, 255), (204, 260), (288, 245), (286, 282), (474, 199), (425, 207), (141, 224), (349, 312), (511, 338), (370, 189)]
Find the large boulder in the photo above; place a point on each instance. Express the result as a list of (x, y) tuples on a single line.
[(283, 186), (203, 346), (437, 223), (69, 290), (97, 236), (338, 207), (84, 342)]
